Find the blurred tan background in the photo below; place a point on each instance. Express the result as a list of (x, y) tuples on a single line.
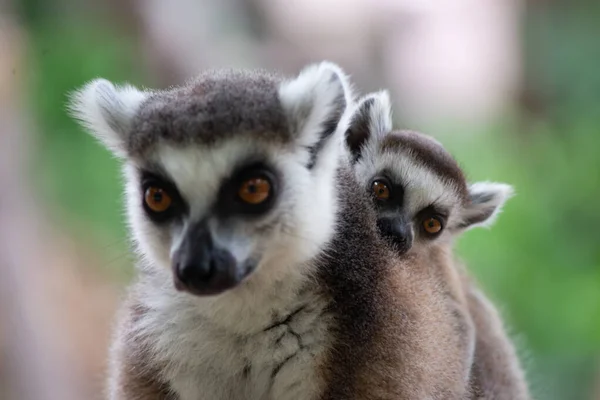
[(511, 87)]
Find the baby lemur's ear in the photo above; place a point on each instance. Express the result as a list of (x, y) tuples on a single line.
[(486, 202), (106, 111), (372, 117), (315, 102)]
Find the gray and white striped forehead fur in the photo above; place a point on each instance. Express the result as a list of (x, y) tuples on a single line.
[(428, 173), (199, 134), (212, 107)]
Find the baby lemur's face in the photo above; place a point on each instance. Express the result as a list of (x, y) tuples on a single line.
[(221, 173), (419, 191)]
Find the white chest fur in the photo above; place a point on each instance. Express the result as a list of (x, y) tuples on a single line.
[(270, 348)]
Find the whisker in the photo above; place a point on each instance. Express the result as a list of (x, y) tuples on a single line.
[(106, 246), (295, 235), (121, 256)]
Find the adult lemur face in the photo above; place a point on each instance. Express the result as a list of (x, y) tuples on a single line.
[(221, 173), (419, 190)]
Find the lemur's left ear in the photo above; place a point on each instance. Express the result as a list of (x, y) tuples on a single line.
[(106, 111), (315, 103), (486, 202), (371, 118)]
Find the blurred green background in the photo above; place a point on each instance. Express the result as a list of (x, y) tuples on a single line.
[(540, 262)]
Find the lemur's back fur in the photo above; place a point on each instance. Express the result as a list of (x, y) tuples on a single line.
[(496, 372)]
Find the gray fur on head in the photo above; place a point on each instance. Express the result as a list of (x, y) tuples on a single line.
[(215, 105)]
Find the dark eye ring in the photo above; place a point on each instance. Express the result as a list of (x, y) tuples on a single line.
[(251, 191)]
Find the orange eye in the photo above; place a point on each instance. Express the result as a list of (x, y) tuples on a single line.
[(157, 199), (432, 225), (255, 190), (381, 190)]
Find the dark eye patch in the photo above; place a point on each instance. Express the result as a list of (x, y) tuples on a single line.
[(229, 202), (396, 191), (178, 207)]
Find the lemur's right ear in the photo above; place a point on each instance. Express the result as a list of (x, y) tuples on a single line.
[(371, 118), (315, 103), (106, 111), (486, 202)]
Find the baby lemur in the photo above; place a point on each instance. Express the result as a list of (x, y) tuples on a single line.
[(423, 203), (261, 273)]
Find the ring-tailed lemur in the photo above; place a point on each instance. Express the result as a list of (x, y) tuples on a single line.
[(262, 275), (423, 204)]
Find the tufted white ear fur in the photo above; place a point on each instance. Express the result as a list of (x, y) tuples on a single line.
[(315, 102), (487, 200), (371, 118), (106, 111)]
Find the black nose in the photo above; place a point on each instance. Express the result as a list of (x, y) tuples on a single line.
[(201, 268), (398, 231)]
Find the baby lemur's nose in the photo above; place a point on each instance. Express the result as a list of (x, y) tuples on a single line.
[(399, 231)]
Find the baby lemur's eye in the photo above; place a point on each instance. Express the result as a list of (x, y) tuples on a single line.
[(255, 190), (157, 199), (432, 225), (380, 189)]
